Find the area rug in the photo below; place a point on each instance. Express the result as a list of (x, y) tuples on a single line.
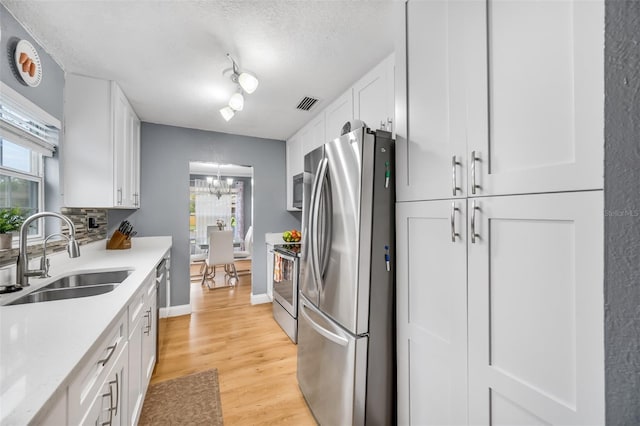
[(188, 400)]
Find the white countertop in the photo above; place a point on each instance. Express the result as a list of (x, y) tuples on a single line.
[(42, 344)]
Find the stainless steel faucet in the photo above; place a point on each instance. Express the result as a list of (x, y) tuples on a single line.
[(44, 261), (22, 271)]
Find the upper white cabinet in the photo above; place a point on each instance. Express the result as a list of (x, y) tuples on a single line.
[(430, 149), (373, 96), (370, 99), (294, 160), (535, 80), (313, 134), (100, 150), (337, 113), (500, 97)]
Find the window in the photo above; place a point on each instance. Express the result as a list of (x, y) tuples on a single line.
[(27, 134)]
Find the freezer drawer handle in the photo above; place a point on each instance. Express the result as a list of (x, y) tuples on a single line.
[(323, 331)]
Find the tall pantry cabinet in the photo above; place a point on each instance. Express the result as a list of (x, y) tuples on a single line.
[(499, 142)]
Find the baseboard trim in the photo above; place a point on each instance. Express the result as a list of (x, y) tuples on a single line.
[(175, 311), (257, 299)]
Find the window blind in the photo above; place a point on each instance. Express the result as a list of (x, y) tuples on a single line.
[(25, 123)]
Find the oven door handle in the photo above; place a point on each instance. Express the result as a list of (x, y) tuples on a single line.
[(285, 256)]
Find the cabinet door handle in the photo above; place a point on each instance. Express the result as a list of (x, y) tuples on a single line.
[(119, 196), (148, 327), (474, 159), (474, 235), (454, 163), (454, 234), (111, 350), (135, 197), (117, 383), (110, 409)]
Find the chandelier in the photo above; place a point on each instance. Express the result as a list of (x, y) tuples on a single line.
[(220, 187)]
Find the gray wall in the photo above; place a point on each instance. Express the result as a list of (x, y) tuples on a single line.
[(165, 153), (48, 96), (622, 212)]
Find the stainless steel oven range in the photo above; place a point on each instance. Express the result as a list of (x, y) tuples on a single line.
[(285, 288)]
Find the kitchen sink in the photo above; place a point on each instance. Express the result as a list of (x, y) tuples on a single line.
[(74, 286)]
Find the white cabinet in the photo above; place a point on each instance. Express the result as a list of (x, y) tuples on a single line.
[(370, 99), (431, 143), (100, 150), (313, 135), (531, 294), (373, 96), (295, 166), (490, 105), (109, 404), (142, 345), (432, 312), (536, 353), (337, 114), (89, 384), (535, 79), (493, 106), (149, 342)]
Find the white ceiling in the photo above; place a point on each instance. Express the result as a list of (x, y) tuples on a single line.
[(168, 56)]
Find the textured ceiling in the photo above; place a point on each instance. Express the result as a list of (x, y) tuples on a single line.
[(169, 56)]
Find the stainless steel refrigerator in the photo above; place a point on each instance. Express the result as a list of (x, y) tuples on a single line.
[(346, 321)]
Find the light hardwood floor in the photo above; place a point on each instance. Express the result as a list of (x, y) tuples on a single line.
[(256, 361)]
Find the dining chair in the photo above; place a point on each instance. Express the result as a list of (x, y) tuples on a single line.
[(248, 246), (220, 254)]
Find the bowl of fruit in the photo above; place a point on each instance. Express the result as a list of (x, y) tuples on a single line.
[(292, 236)]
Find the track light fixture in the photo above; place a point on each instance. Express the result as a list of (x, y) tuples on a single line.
[(246, 82)]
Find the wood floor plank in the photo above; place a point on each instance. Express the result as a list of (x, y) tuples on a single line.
[(256, 361)]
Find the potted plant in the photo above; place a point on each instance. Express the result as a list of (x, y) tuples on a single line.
[(11, 219)]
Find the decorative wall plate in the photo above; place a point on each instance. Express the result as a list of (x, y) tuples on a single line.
[(27, 63)]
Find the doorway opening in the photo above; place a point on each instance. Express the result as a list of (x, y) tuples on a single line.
[(221, 199)]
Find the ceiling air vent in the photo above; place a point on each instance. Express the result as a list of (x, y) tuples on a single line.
[(307, 103)]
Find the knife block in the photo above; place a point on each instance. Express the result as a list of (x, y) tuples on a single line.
[(118, 241)]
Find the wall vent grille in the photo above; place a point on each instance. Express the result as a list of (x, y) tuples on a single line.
[(307, 103)]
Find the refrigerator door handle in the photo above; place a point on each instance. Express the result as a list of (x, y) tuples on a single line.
[(335, 338), (308, 238), (315, 215)]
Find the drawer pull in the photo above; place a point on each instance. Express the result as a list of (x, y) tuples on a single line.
[(111, 350), (148, 326)]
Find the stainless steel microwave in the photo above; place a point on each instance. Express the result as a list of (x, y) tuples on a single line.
[(298, 187)]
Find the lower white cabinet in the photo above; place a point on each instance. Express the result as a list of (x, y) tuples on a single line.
[(516, 295), (88, 383), (142, 345), (536, 340), (432, 312), (109, 404)]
